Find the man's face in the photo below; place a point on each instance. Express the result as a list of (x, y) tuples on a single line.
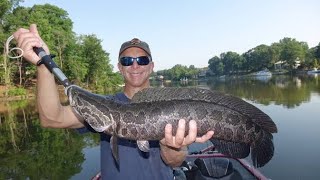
[(136, 75)]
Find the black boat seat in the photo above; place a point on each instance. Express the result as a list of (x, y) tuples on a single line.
[(187, 171), (217, 167)]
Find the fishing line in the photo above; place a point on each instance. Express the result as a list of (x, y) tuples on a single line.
[(8, 51)]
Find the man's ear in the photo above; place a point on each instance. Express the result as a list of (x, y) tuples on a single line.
[(120, 68), (152, 66)]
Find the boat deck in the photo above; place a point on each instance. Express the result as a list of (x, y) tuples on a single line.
[(210, 165)]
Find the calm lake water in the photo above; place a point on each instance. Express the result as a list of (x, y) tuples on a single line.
[(28, 151)]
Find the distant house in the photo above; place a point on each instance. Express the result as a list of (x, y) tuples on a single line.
[(160, 77), (297, 64), (281, 64), (203, 72)]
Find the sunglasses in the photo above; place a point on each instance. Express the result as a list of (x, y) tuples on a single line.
[(128, 61)]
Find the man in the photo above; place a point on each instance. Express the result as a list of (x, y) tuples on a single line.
[(136, 65)]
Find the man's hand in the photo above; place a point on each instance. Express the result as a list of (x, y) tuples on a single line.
[(27, 39), (180, 140), (174, 148)]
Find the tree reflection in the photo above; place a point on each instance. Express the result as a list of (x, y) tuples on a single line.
[(28, 151), (289, 91)]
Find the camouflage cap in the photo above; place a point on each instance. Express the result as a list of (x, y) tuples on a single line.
[(135, 42)]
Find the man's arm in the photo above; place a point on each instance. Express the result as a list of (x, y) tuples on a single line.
[(174, 148), (52, 114)]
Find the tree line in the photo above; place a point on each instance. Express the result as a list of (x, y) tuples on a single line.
[(290, 54), (81, 57), (178, 72)]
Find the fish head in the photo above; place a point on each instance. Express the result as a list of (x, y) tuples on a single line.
[(92, 108), (72, 93)]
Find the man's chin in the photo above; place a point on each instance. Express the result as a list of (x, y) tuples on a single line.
[(138, 84)]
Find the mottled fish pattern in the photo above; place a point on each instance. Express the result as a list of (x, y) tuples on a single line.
[(239, 127)]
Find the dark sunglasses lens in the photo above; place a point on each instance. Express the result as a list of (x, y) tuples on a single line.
[(126, 61), (143, 60)]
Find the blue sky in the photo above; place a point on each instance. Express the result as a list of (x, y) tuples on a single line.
[(191, 32)]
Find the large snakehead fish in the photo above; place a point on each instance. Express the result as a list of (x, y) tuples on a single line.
[(239, 127)]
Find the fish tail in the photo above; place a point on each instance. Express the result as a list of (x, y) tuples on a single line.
[(262, 150), (230, 148)]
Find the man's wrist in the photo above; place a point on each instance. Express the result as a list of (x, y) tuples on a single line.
[(41, 61)]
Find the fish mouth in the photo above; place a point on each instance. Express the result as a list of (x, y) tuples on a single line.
[(67, 89), (68, 92)]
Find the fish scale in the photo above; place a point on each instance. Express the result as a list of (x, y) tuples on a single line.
[(239, 126)]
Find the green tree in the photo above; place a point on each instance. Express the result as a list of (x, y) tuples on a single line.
[(178, 72), (216, 66), (259, 58), (275, 49), (165, 73), (317, 51), (292, 51), (81, 57), (76, 66), (193, 72), (229, 60), (311, 60), (6, 7), (54, 27), (100, 73)]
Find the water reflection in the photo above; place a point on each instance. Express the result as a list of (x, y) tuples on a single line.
[(28, 151), (293, 103), (289, 91)]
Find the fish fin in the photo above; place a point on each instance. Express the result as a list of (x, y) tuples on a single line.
[(233, 149), (262, 150), (143, 146), (114, 148)]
